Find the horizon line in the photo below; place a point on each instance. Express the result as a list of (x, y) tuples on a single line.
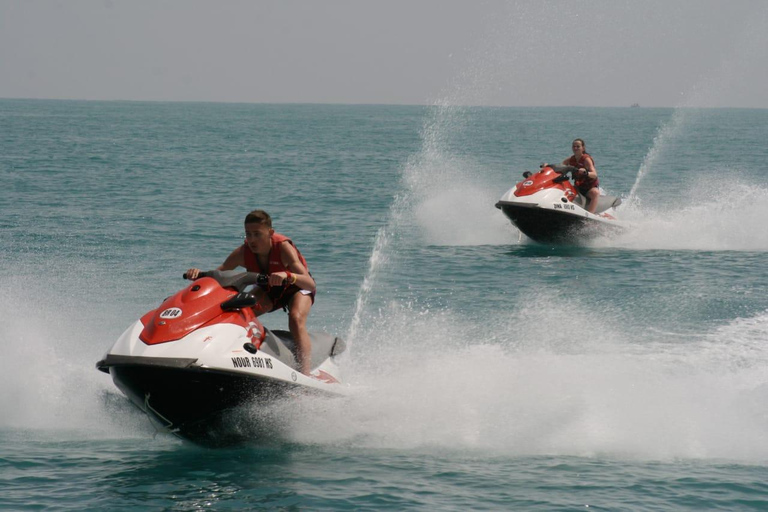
[(362, 104)]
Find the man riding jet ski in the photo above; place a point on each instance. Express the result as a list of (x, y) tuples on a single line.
[(203, 355), (290, 286)]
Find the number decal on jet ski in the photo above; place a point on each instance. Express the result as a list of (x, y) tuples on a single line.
[(259, 362), (171, 313), (241, 362), (252, 362), (560, 206)]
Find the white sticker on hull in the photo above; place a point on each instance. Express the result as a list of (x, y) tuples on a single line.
[(171, 313)]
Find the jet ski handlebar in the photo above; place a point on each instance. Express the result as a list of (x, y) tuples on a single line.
[(234, 279), (564, 170)]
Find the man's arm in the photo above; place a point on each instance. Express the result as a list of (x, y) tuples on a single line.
[(234, 260), (292, 262)]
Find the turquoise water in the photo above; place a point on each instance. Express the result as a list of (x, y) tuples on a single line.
[(487, 372)]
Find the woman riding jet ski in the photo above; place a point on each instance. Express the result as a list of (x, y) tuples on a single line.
[(193, 362), (547, 208)]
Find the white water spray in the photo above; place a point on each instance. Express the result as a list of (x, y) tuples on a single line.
[(611, 398), (735, 62), (48, 373)]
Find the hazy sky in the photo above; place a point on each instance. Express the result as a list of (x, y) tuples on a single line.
[(478, 52)]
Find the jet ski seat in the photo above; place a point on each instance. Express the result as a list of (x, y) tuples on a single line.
[(603, 202), (280, 344)]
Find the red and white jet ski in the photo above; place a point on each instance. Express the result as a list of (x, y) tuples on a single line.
[(547, 208), (204, 354)]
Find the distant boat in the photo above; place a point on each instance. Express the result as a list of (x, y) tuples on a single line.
[(635, 105)]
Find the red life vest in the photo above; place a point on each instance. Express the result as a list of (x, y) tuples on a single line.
[(583, 183), (275, 257), (279, 295)]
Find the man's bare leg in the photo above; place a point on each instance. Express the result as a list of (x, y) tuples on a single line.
[(297, 323)]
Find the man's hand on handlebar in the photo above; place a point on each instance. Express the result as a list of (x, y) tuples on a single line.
[(192, 274), (277, 279)]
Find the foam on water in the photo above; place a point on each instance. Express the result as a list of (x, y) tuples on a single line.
[(439, 387), (47, 372), (717, 213), (463, 217), (454, 207)]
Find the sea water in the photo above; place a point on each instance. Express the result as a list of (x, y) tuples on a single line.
[(487, 372)]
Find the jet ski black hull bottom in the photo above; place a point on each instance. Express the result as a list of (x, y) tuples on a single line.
[(208, 408), (554, 227)]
